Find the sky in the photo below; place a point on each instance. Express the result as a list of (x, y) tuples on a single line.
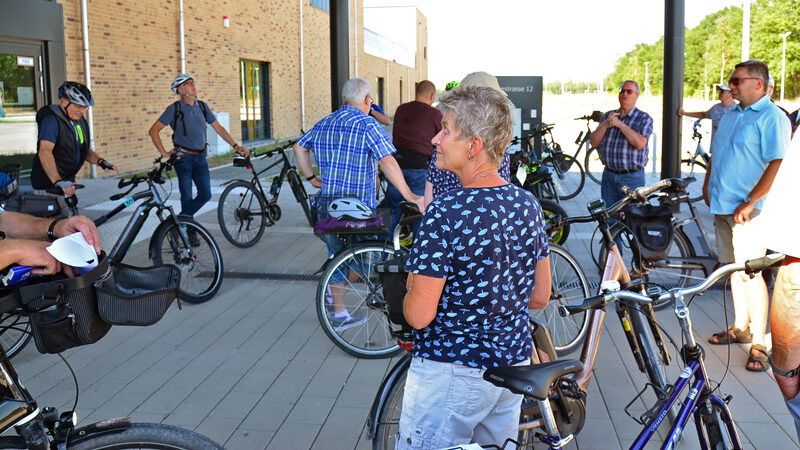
[(560, 40)]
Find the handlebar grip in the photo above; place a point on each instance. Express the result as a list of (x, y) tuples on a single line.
[(765, 262), (590, 303)]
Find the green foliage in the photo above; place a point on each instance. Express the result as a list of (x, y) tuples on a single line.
[(713, 48)]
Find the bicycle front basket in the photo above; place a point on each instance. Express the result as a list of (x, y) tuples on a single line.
[(138, 296)]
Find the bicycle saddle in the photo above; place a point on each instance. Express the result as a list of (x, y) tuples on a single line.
[(533, 381), (680, 184)]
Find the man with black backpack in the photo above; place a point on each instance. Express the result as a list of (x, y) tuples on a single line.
[(64, 144), (188, 118)]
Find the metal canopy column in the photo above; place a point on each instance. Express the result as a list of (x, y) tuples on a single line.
[(340, 49), (674, 40)]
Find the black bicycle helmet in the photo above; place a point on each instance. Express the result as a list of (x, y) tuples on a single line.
[(76, 93)]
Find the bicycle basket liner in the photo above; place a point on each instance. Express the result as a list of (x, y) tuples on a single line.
[(138, 296), (63, 311), (652, 226), (9, 181), (349, 215), (393, 282)]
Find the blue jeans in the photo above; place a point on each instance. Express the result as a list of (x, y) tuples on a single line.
[(193, 168), (415, 178), (611, 190)]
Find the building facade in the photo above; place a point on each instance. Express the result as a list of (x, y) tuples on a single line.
[(264, 65)]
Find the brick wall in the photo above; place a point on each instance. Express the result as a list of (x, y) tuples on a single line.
[(135, 54)]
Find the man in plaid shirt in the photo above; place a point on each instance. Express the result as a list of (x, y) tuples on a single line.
[(622, 138), (348, 145)]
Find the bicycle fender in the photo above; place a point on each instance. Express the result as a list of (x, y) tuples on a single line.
[(394, 376), (97, 428), (232, 181)]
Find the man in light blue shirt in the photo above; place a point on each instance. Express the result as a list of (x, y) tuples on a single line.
[(747, 152)]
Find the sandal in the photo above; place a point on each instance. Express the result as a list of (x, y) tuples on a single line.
[(732, 335), (760, 358)]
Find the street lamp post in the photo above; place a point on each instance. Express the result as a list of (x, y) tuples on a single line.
[(783, 61), (646, 74)]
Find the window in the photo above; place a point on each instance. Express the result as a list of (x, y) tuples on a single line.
[(380, 92), (322, 4), (254, 100)]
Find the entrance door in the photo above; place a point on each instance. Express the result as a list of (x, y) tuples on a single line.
[(22, 86)]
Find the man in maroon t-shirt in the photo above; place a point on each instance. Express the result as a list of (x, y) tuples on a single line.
[(415, 125)]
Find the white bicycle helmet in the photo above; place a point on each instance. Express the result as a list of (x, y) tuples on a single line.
[(179, 80), (76, 93), (349, 209)]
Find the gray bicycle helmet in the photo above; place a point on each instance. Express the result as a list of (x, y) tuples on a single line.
[(179, 80), (76, 93)]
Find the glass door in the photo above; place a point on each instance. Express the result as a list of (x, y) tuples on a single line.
[(254, 100), (21, 95)]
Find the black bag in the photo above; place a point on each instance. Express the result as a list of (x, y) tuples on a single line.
[(393, 282), (138, 296), (652, 226), (63, 311), (39, 205)]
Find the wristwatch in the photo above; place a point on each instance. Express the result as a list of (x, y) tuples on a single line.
[(748, 200), (52, 228), (782, 372)]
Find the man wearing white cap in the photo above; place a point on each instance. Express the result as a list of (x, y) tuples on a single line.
[(726, 103)]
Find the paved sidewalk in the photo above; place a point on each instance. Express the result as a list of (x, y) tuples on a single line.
[(252, 368)]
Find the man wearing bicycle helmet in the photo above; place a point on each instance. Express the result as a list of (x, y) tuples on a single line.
[(64, 143), (715, 113), (188, 118)]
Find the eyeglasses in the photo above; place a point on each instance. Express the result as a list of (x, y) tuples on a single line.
[(627, 91), (735, 81)]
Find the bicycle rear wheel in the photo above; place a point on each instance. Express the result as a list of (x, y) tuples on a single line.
[(550, 209), (593, 166), (145, 436), (351, 275), (568, 284), (242, 214), (200, 265), (15, 332), (690, 168), (568, 176), (389, 417)]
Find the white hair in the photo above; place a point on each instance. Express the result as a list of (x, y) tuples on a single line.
[(354, 91)]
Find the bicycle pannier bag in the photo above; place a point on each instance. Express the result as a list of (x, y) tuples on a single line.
[(39, 205), (652, 226), (393, 282), (63, 311)]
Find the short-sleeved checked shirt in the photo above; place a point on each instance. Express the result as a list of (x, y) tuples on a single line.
[(444, 181), (615, 150), (348, 145)]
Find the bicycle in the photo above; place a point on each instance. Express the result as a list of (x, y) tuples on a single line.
[(689, 254), (562, 164), (592, 163), (713, 419), (201, 265), (700, 158), (244, 211), (530, 175)]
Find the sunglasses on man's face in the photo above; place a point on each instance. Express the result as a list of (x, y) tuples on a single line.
[(735, 81), (627, 91)]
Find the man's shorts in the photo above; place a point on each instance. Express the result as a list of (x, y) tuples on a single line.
[(738, 242)]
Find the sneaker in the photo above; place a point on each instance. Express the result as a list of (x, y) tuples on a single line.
[(347, 322), (329, 302)]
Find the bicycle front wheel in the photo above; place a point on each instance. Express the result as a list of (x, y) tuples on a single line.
[(550, 209), (569, 284), (15, 332), (145, 436), (696, 169), (242, 214), (568, 176), (351, 281), (389, 417), (200, 265), (593, 166)]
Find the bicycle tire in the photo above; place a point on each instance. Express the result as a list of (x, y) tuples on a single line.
[(593, 165), (551, 209), (15, 332), (714, 428), (242, 214), (569, 284), (144, 436), (688, 170), (371, 339), (389, 416), (198, 263), (300, 193), (654, 364), (563, 177)]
